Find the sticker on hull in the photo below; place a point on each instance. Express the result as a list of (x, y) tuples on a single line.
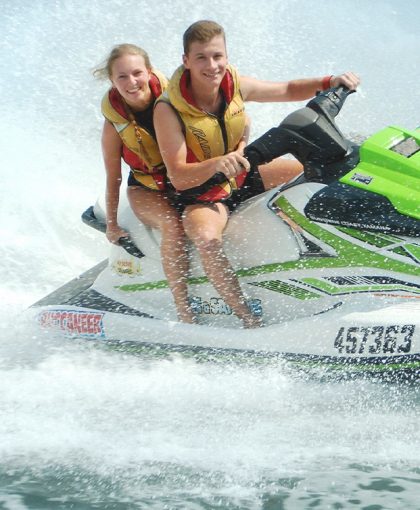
[(216, 306), (74, 323)]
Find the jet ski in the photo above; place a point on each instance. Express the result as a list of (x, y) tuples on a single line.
[(329, 260)]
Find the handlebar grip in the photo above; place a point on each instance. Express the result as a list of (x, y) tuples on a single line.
[(329, 102), (342, 92), (128, 244)]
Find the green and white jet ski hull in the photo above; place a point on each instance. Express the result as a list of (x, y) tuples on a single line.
[(331, 261), (326, 293)]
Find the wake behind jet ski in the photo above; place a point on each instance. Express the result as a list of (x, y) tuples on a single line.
[(331, 260)]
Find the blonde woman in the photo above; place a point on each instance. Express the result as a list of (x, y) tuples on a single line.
[(128, 134)]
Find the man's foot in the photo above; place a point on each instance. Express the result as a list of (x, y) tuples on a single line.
[(252, 322), (186, 315)]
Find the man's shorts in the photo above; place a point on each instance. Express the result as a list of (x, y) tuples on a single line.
[(251, 187)]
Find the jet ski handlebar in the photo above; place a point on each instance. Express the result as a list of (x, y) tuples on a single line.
[(330, 101), (308, 133)]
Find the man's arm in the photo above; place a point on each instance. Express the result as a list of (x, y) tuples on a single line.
[(294, 90)]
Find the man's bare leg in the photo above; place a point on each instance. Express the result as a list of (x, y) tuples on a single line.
[(278, 171), (204, 225)]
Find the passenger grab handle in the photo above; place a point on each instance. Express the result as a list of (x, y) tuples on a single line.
[(128, 244), (90, 219)]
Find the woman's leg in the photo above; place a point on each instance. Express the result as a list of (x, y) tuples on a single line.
[(278, 171), (204, 225), (154, 210)]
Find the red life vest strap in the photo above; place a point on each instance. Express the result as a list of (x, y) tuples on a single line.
[(226, 85)]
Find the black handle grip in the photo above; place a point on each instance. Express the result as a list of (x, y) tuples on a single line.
[(329, 102), (128, 244)]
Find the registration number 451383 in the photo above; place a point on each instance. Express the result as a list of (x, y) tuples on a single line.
[(375, 339)]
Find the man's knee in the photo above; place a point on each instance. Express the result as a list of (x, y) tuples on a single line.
[(207, 243)]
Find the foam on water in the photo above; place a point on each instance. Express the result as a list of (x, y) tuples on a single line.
[(206, 431)]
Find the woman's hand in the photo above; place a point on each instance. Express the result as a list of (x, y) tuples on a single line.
[(114, 234)]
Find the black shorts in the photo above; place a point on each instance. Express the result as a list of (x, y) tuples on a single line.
[(132, 181), (251, 187), (168, 193)]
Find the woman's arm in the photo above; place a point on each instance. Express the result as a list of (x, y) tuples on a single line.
[(111, 150), (294, 90), (173, 148)]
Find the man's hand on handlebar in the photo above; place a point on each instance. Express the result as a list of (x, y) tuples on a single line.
[(349, 80)]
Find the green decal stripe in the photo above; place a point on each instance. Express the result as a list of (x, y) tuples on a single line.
[(350, 255), (399, 250), (288, 289), (381, 241), (413, 250), (159, 284), (378, 240), (133, 287), (333, 289)]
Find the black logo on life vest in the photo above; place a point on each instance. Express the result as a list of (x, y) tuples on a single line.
[(200, 135), (237, 112)]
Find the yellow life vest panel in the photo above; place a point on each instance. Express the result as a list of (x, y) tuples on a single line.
[(140, 149), (207, 135)]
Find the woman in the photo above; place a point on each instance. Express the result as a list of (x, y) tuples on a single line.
[(128, 134), (200, 123)]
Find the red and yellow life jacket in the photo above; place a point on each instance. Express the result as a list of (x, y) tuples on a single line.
[(141, 153), (205, 134)]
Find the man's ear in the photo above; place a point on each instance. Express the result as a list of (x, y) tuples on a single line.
[(185, 61)]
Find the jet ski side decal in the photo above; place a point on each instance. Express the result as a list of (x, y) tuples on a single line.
[(349, 254)]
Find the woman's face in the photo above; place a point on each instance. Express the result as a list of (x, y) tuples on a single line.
[(207, 62), (130, 77)]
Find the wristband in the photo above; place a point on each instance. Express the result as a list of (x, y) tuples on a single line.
[(326, 82)]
